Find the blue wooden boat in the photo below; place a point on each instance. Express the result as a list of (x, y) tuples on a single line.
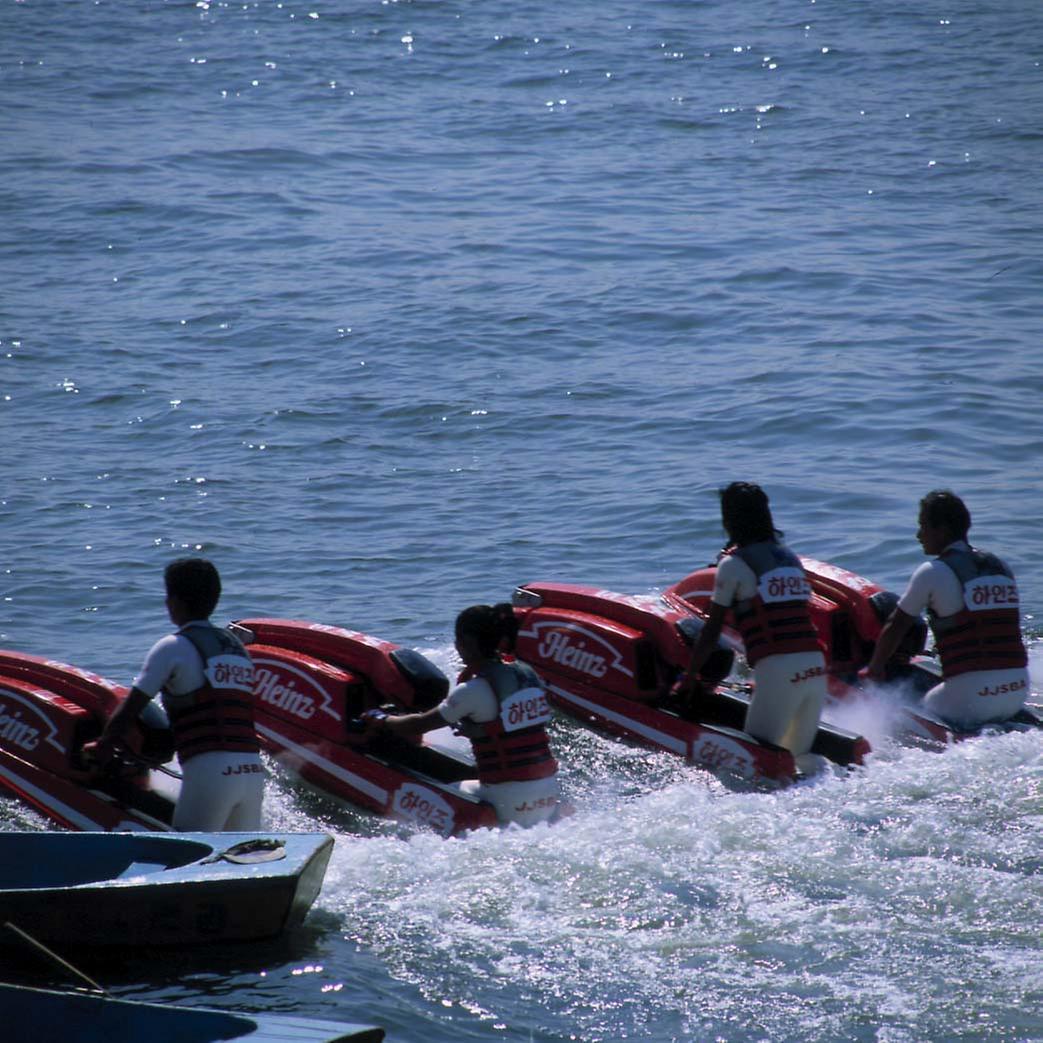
[(157, 888), (43, 1014)]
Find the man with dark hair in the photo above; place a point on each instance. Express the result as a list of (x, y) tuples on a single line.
[(971, 600), (196, 582), (943, 507), (206, 678)]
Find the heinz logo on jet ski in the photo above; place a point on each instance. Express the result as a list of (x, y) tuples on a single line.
[(21, 725), (270, 689), (571, 646), (419, 804), (718, 751), (16, 731)]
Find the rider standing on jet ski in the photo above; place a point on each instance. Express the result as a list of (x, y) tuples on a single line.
[(763, 584), (971, 600), (502, 708), (206, 678)]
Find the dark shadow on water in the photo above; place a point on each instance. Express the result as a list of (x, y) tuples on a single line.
[(178, 972)]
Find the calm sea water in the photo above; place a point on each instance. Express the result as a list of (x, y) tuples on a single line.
[(387, 307)]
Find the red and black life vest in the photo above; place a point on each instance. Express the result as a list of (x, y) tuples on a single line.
[(514, 747), (776, 620), (220, 714), (986, 633)]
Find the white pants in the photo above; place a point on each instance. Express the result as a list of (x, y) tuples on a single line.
[(220, 792), (526, 803), (978, 697), (787, 700)]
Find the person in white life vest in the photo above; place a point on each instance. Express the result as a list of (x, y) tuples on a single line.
[(206, 679), (502, 708), (762, 585), (971, 599)]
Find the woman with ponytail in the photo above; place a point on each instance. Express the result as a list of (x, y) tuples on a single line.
[(500, 705), (762, 587)]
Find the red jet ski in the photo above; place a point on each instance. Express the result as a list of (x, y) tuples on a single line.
[(613, 660), (313, 683), (849, 612), (48, 710)]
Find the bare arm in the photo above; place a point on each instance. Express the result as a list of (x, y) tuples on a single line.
[(116, 727), (705, 645), (887, 644), (411, 724)]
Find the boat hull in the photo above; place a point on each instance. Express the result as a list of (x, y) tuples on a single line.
[(117, 889), (45, 1014)]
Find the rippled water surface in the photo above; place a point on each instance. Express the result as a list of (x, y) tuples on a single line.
[(389, 306)]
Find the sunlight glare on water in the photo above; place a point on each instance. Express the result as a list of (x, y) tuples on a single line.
[(389, 307), (661, 914)]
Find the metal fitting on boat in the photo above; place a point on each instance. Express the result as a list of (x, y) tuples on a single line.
[(522, 598)]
